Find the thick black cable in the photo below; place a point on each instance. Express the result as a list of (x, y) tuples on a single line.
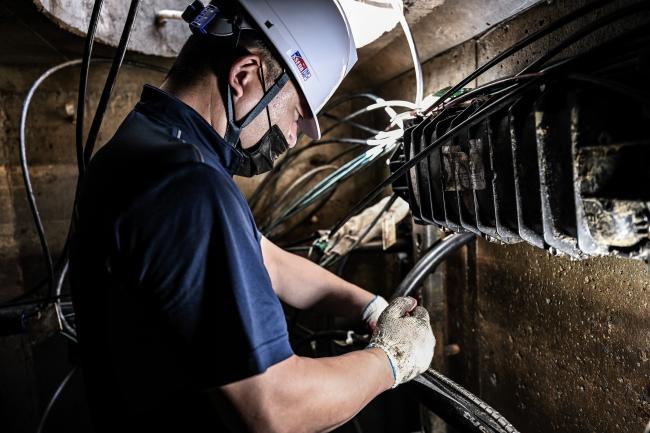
[(83, 83), (55, 397), (430, 261), (585, 31), (111, 79), (490, 88), (523, 43), (458, 407)]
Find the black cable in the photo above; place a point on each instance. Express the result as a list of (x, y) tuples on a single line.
[(331, 335), (324, 200), (345, 98), (585, 31), (490, 88), (55, 397), (342, 154), (320, 205), (28, 292), (458, 407), (298, 184), (41, 301), (270, 179), (51, 269), (430, 261), (613, 86), (83, 81), (352, 123), (523, 43), (111, 79), (357, 425), (300, 242), (340, 176), (277, 169)]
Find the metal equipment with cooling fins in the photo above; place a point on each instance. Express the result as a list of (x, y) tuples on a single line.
[(563, 164)]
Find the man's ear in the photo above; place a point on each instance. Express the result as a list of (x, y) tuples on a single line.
[(244, 72)]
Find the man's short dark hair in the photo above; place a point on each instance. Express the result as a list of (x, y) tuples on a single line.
[(203, 55)]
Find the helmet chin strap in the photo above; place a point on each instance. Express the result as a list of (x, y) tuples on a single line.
[(233, 131)]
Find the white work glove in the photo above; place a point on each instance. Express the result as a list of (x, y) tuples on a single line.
[(404, 333), (372, 311)]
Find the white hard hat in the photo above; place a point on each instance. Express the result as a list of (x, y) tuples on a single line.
[(315, 41)]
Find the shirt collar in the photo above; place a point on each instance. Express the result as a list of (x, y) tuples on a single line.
[(188, 125)]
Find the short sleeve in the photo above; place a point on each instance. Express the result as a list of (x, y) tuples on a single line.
[(195, 252)]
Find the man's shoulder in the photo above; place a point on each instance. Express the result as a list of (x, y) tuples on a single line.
[(198, 178), (143, 144)]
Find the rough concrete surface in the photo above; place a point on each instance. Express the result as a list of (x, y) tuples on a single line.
[(497, 39), (564, 346), (51, 156), (147, 38)]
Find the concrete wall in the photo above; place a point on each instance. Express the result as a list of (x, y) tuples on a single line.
[(30, 370), (555, 345)]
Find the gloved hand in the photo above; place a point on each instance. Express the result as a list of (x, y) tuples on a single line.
[(372, 311), (404, 332)]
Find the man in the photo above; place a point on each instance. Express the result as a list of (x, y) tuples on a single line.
[(175, 290)]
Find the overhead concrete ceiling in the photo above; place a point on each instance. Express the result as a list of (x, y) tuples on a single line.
[(437, 25), (147, 37)]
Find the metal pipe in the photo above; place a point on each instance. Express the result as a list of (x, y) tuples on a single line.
[(164, 15), (430, 261)]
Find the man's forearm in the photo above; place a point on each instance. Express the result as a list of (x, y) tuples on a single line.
[(305, 285), (314, 395)]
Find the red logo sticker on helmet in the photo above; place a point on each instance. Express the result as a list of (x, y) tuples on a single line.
[(302, 65)]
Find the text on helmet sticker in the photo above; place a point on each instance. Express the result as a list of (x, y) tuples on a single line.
[(301, 64)]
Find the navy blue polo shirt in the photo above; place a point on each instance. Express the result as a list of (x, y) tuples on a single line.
[(169, 286)]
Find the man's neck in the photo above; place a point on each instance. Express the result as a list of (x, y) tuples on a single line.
[(204, 97)]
